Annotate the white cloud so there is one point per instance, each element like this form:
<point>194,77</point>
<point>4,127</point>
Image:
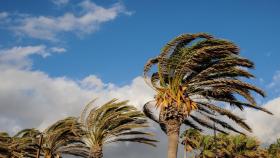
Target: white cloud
<point>60,2</point>
<point>275,80</point>
<point>58,50</point>
<point>18,56</point>
<point>87,21</point>
<point>3,15</point>
<point>265,127</point>
<point>274,85</point>
<point>92,82</point>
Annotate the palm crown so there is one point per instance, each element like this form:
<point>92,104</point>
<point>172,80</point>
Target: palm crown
<point>63,137</point>
<point>196,72</point>
<point>113,122</point>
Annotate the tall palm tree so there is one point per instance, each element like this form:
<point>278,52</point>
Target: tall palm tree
<point>274,149</point>
<point>113,122</point>
<point>63,137</point>
<point>197,72</point>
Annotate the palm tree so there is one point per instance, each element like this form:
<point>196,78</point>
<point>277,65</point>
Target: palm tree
<point>197,72</point>
<point>230,146</point>
<point>191,139</point>
<point>219,146</point>
<point>113,122</point>
<point>63,137</point>
<point>18,146</point>
<point>246,147</point>
<point>274,149</point>
<point>5,141</point>
<point>207,149</point>
<point>60,138</point>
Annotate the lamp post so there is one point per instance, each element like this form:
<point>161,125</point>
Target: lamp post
<point>40,144</point>
<point>215,136</point>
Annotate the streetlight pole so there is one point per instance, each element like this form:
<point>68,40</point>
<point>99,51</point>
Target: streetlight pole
<point>215,136</point>
<point>40,144</point>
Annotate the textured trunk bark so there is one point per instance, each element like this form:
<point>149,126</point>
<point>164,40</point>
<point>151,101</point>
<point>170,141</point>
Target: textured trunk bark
<point>96,152</point>
<point>173,128</point>
<point>172,118</point>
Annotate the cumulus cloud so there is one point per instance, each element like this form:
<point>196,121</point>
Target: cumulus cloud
<point>265,127</point>
<point>86,21</point>
<point>18,57</point>
<point>275,83</point>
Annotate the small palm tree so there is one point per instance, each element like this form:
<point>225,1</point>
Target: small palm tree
<point>113,122</point>
<point>19,146</point>
<point>247,147</point>
<point>274,149</point>
<point>5,141</point>
<point>206,147</point>
<point>191,139</point>
<point>219,146</point>
<point>230,146</point>
<point>197,72</point>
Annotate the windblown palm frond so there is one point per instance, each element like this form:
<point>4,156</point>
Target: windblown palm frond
<point>113,122</point>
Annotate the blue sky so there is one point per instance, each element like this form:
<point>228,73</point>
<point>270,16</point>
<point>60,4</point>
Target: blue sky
<point>119,49</point>
<point>97,47</point>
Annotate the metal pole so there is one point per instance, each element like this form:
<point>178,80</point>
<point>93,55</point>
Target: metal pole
<point>40,144</point>
<point>215,136</point>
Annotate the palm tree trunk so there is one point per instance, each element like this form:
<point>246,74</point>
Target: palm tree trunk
<point>96,152</point>
<point>173,128</point>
